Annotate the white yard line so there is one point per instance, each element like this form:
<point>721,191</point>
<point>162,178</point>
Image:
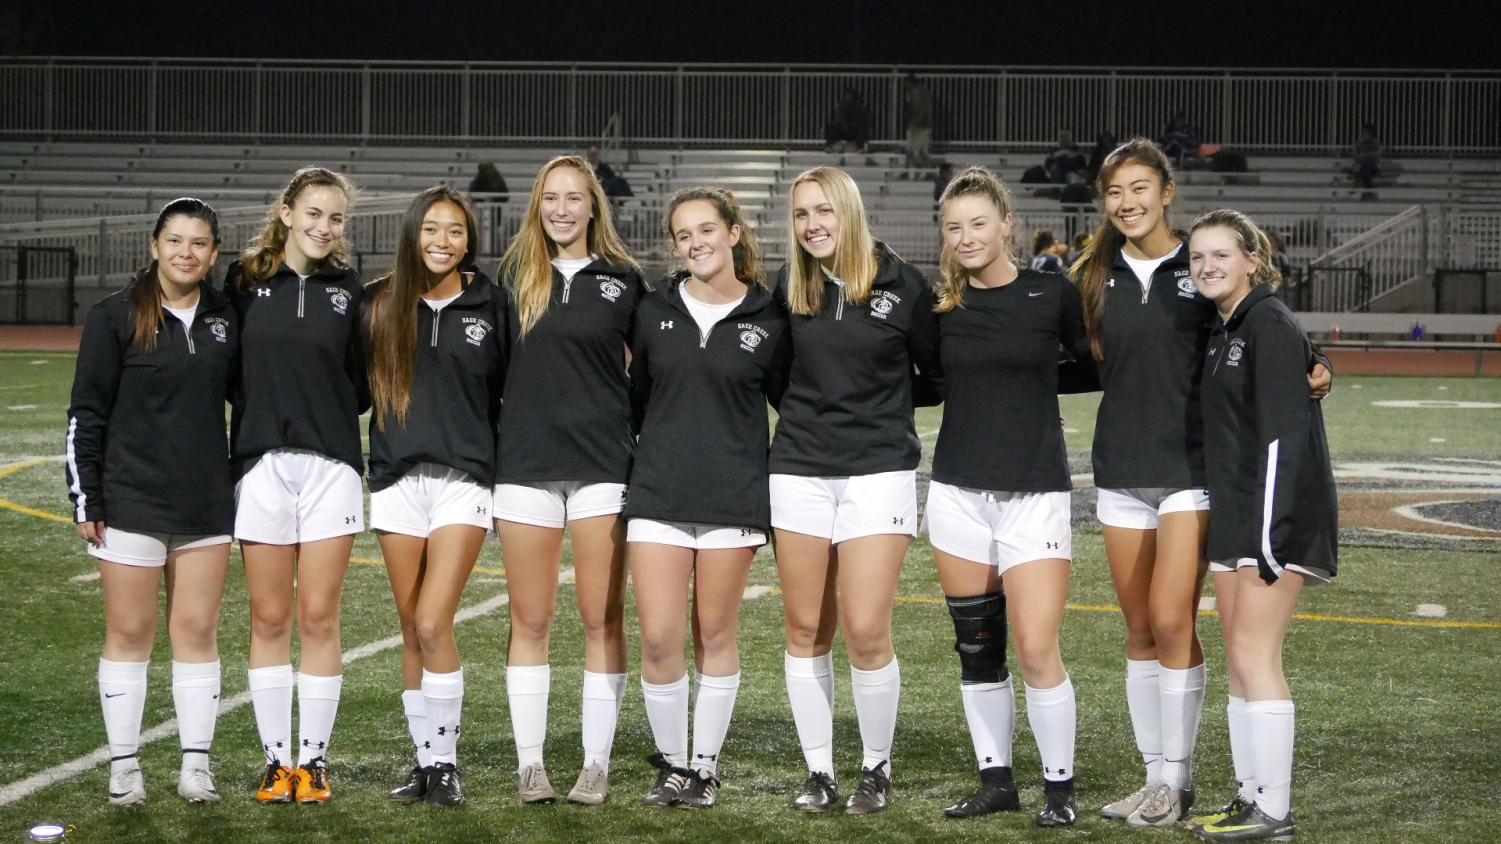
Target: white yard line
<point>1431,611</point>
<point>84,578</point>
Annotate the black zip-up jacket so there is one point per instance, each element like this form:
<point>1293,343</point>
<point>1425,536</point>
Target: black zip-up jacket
<point>146,450</point>
<point>699,403</point>
<point>1001,372</point>
<point>457,379</point>
<point>1270,484</point>
<point>567,411</point>
<point>302,371</point>
<point>848,406</point>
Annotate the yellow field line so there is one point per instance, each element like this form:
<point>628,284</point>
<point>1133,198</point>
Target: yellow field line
<point>905,599</point>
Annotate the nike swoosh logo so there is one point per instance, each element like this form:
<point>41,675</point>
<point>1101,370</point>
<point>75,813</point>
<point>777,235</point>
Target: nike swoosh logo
<point>1030,295</point>
<point>116,694</point>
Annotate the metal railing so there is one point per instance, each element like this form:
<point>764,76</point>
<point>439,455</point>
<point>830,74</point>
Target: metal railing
<point>1420,112</point>
<point>37,285</point>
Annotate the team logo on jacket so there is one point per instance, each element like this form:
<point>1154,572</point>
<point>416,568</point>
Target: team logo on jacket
<point>882,303</point>
<point>1185,284</point>
<point>1237,351</point>
<point>609,287</point>
<point>751,336</point>
<point>339,299</point>
<point>219,327</point>
<point>475,330</point>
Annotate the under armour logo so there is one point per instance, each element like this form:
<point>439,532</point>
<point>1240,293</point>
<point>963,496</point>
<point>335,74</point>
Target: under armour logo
<point>710,756</point>
<point>666,324</point>
<point>481,509</point>
<point>745,531</point>
<point>1052,546</point>
<point>898,520</point>
<point>1110,283</point>
<point>427,745</point>
<point>263,291</point>
<point>988,760</point>
<point>309,743</point>
<point>349,520</point>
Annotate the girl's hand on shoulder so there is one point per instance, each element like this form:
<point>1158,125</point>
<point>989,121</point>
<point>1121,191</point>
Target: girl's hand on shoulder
<point>1320,380</point>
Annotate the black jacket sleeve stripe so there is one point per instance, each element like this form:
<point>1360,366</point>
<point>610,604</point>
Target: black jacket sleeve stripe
<point>95,384</point>
<point>1280,361</point>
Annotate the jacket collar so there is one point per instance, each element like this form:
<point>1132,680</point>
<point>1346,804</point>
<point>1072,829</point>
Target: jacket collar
<point>1258,293</point>
<point>756,296</point>
<point>1177,260</point>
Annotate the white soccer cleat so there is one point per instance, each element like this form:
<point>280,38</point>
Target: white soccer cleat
<point>128,787</point>
<point>196,785</point>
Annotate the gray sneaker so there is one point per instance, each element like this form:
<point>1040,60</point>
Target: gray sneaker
<point>593,786</point>
<point>1163,805</point>
<point>533,786</point>
<point>1122,808</point>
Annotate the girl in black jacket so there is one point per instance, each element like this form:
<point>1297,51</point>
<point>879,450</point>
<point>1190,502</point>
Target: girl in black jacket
<point>564,459</point>
<point>436,335</point>
<point>843,464</point>
<point>1148,327</point>
<point>295,443</point>
<point>710,350</point>
<point>1276,516</point>
<point>148,473</point>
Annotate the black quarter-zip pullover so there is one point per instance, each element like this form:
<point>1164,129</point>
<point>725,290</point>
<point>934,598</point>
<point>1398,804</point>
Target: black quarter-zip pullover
<point>457,380</point>
<point>302,371</point>
<point>848,406</point>
<point>700,406</point>
<point>1270,483</point>
<point>567,411</point>
<point>146,450</point>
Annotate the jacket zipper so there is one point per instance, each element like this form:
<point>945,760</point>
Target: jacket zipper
<point>839,306</point>
<point>567,285</point>
<point>301,290</point>
<point>187,330</point>
<point>1147,290</point>
<point>437,315</point>
<point>703,339</point>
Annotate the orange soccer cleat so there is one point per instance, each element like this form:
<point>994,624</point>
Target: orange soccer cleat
<point>312,783</point>
<point>276,785</point>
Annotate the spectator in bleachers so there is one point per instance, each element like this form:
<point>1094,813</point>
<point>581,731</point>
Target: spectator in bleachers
<point>615,185</point>
<point>1081,241</point>
<point>489,181</point>
<point>941,181</point>
<point>849,128</point>
<point>1180,140</point>
<point>1366,157</point>
<point>1102,147</point>
<point>1044,252</point>
<point>919,101</point>
<point>1065,164</point>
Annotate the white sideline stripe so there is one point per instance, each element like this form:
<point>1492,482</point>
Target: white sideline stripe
<point>1431,611</point>
<point>1206,603</point>
<point>22,407</point>
<point>754,592</point>
<point>922,435</point>
<point>84,578</point>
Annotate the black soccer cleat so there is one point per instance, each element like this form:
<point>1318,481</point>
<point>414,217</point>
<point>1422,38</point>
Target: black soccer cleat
<point>411,791</point>
<point>997,793</point>
<point>873,794</point>
<point>820,794</point>
<point>1059,808</point>
<point>443,786</point>
<point>670,783</point>
<point>1250,825</point>
<point>700,793</point>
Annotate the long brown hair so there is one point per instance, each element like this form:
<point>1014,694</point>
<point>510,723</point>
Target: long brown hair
<point>259,260</point>
<point>1092,269</point>
<point>1252,240</point>
<point>855,260</point>
<point>746,252</point>
<point>527,265</point>
<point>954,278</point>
<point>393,307</point>
<point>146,294</point>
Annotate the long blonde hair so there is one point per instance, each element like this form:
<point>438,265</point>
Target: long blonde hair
<point>527,265</point>
<point>855,261</point>
<point>260,259</point>
<point>1252,240</point>
<point>746,252</point>
<point>975,181</point>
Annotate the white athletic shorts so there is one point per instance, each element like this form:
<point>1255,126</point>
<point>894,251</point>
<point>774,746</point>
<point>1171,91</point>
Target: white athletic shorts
<point>697,537</point>
<point>428,497</point>
<point>294,495</point>
<point>552,504</point>
<point>149,549</point>
<point>1311,577</point>
<point>1002,529</point>
<point>1139,508</point>
<point>840,509</point>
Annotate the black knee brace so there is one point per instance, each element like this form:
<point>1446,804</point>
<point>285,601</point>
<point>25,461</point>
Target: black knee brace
<point>980,636</point>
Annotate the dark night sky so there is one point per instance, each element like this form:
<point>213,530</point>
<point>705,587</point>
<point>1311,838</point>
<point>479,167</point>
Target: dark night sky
<point>1241,33</point>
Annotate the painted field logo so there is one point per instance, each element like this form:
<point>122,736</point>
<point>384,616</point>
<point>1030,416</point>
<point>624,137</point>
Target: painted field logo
<point>751,336</point>
<point>1237,351</point>
<point>610,288</point>
<point>339,299</point>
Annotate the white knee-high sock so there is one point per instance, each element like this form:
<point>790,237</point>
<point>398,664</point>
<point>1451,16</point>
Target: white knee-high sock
<point>1241,741</point>
<point>271,697</point>
<point>122,698</point>
<point>1144,700</point>
<point>877,694</point>
<point>667,712</point>
<point>990,709</point>
<point>195,696</point>
<point>603,695</point>
<point>1271,725</point>
<point>317,707</point>
<point>711,719</point>
<point>810,690</point>
<point>527,687</point>
<point>1052,715</point>
<point>444,696</point>
<point>1182,705</point>
<point>415,707</point>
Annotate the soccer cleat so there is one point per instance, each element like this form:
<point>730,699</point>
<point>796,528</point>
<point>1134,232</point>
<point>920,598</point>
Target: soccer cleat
<point>1122,808</point>
<point>1059,808</point>
<point>312,782</point>
<point>820,793</point>
<point>1250,825</point>
<point>1163,806</point>
<point>1229,810</point>
<point>443,787</point>
<point>277,785</point>
<point>196,785</point>
<point>670,782</point>
<point>532,785</point>
<point>411,791</point>
<point>873,794</point>
<point>700,792</point>
<point>128,787</point>
<point>997,793</point>
<point>593,786</point>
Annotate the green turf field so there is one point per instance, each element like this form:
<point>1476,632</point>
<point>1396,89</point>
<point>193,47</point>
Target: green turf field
<point>1399,716</point>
